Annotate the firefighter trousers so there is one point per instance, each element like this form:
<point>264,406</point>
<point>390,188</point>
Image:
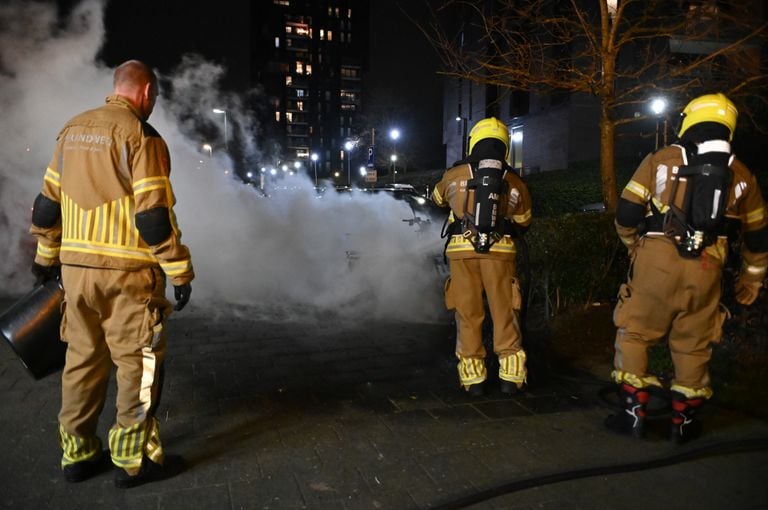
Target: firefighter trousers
<point>464,293</point>
<point>673,297</point>
<point>112,317</point>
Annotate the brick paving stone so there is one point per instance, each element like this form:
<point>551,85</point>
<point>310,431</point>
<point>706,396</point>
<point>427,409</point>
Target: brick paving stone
<point>263,427</point>
<point>546,404</point>
<point>209,496</point>
<point>502,409</point>
<point>447,436</point>
<point>330,484</point>
<point>463,414</point>
<point>267,493</point>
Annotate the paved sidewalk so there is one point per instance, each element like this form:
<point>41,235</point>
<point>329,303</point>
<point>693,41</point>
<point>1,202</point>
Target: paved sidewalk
<point>271,413</point>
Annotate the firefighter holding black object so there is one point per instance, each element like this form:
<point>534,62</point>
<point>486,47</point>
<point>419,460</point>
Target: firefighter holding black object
<point>490,206</point>
<point>673,216</point>
<point>105,215</point>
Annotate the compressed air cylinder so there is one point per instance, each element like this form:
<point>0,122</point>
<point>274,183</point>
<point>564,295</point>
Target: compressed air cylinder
<point>31,328</point>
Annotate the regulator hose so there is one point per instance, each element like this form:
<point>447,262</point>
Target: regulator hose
<point>710,450</point>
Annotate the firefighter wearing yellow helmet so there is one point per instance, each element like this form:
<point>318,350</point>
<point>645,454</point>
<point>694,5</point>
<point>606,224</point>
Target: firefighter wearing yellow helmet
<point>672,217</point>
<point>490,206</point>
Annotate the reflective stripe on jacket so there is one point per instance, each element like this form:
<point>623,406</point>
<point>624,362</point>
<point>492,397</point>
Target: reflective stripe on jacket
<point>515,206</point>
<point>109,165</point>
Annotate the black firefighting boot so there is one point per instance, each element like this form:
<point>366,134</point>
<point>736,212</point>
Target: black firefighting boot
<point>475,390</point>
<point>685,426</point>
<point>631,419</point>
<point>150,472</point>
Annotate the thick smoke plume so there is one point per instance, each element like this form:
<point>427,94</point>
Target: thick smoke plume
<point>342,255</point>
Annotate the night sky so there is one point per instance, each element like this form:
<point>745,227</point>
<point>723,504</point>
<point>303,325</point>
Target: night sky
<point>402,86</point>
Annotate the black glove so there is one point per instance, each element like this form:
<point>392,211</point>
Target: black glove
<point>45,273</point>
<point>181,293</point>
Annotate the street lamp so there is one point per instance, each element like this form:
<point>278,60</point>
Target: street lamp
<point>226,137</point>
<point>394,135</point>
<point>658,107</point>
<point>393,159</point>
<point>349,145</point>
<point>207,148</point>
<point>463,121</point>
<point>314,157</point>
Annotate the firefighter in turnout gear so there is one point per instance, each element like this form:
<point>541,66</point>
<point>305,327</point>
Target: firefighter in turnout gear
<point>673,216</point>
<point>105,217</point>
<point>490,206</point>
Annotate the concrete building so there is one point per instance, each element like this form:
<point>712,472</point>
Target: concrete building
<point>309,56</point>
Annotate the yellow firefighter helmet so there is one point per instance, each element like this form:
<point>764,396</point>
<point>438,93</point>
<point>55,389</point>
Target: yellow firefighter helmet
<point>710,108</point>
<point>490,128</point>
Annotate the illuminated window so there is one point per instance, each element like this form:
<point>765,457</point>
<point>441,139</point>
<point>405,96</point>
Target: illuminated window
<point>277,116</point>
<point>277,42</point>
<point>300,105</point>
<point>330,35</point>
<point>337,12</point>
<point>288,80</point>
<point>349,13</point>
<point>322,34</point>
<point>300,92</point>
<point>288,116</point>
<point>286,3</point>
<point>308,69</point>
<point>300,67</point>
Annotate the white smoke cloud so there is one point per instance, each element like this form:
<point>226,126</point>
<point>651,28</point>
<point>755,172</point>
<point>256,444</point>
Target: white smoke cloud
<point>286,253</point>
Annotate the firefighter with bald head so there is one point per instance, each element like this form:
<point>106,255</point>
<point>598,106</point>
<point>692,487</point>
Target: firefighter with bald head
<point>673,216</point>
<point>489,207</point>
<point>105,217</point>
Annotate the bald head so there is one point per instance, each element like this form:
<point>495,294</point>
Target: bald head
<point>137,83</point>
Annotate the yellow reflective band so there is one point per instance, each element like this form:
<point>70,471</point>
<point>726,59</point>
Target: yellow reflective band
<point>639,190</point>
<point>126,445</point>
<point>471,370</point>
<point>77,449</point>
<point>109,250</point>
<point>459,243</point>
<point>661,207</point>
<point>48,252</point>
<point>149,184</point>
<point>52,176</point>
<point>522,218</point>
<point>756,215</point>
<point>635,381</point>
<point>754,270</point>
<point>437,197</point>
<point>512,367</point>
<point>705,392</point>
<point>176,268</point>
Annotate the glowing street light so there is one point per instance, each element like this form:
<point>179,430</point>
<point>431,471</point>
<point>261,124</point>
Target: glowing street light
<point>658,107</point>
<point>207,148</point>
<point>349,145</point>
<point>314,157</point>
<point>394,135</point>
<point>226,137</point>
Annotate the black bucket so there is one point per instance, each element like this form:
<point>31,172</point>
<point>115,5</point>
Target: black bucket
<point>31,328</point>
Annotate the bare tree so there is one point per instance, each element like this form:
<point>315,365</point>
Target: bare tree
<point>620,51</point>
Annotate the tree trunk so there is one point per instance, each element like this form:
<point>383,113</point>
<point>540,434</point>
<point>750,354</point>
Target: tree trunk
<point>607,168</point>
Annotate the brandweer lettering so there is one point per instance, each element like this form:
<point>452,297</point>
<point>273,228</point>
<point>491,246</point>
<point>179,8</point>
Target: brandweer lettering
<point>94,139</point>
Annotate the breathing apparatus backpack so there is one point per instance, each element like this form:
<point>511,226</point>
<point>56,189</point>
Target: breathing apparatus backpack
<point>481,223</point>
<point>696,224</point>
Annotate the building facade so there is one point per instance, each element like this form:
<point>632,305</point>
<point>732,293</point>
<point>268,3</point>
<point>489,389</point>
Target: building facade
<point>309,57</point>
